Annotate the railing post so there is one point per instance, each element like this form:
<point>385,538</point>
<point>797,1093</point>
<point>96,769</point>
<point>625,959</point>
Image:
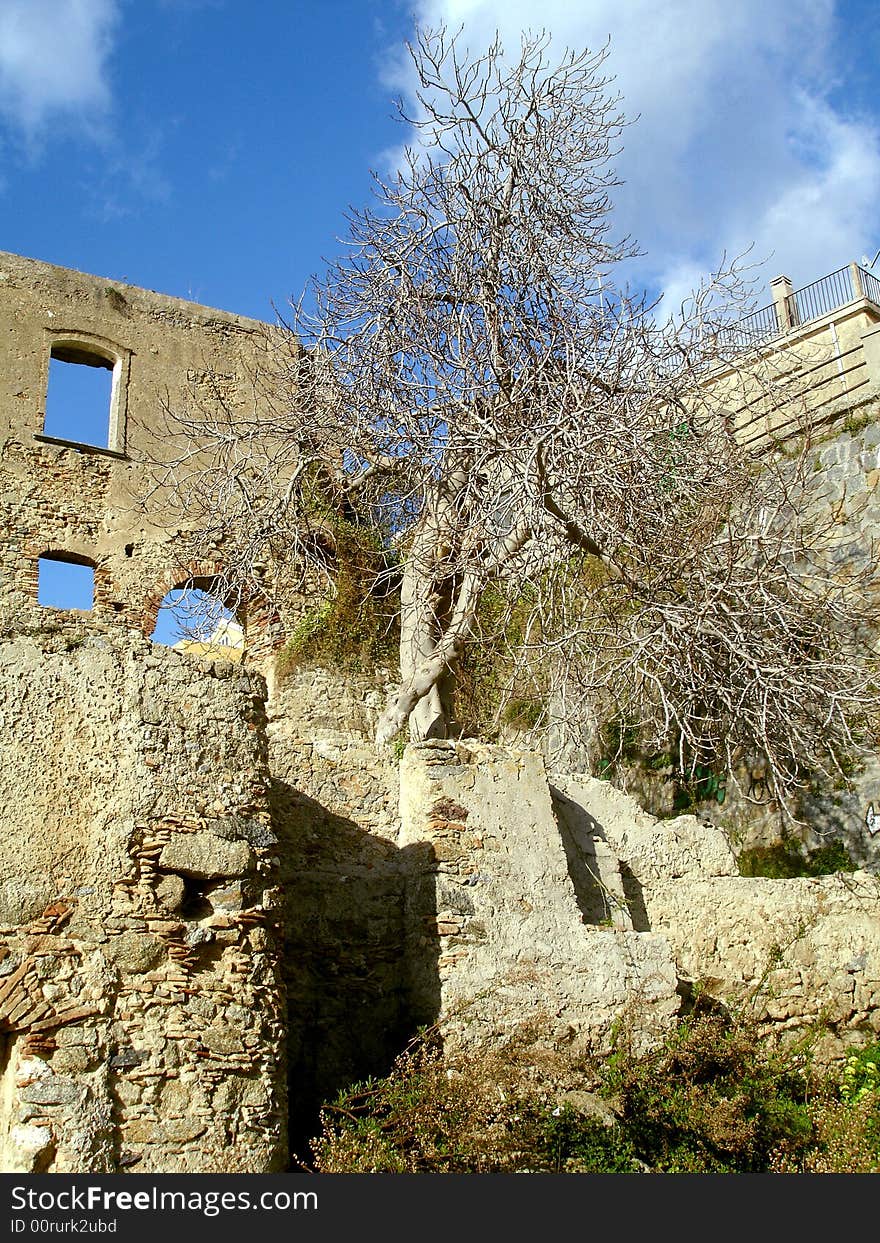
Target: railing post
<point>782,289</point>
<point>855,277</point>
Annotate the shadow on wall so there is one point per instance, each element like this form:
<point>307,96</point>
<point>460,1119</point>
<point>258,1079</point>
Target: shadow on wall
<point>606,890</point>
<point>360,953</point>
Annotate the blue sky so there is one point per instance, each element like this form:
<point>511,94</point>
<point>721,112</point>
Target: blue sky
<point>202,148</point>
<point>209,148</point>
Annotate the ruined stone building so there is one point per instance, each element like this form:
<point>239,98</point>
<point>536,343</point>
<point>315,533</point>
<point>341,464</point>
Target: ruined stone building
<point>215,907</point>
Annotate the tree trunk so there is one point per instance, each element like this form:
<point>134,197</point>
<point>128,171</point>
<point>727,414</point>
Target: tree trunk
<point>418,649</point>
<point>418,700</point>
<point>436,619</point>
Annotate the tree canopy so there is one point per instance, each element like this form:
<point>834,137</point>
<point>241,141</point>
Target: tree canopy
<point>473,392</point>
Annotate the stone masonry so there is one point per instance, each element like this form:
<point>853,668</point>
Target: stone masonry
<point>335,812</point>
<point>796,953</point>
<point>557,898</point>
<point>96,503</point>
<point>219,905</point>
<point>496,937</point>
<point>141,1001</point>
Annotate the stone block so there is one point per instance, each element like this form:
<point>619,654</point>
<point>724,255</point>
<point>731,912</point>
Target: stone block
<point>135,951</point>
<point>206,857</point>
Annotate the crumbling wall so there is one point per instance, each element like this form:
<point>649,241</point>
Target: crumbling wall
<point>142,977</point>
<point>797,952</point>
<point>497,941</point>
<point>101,502</point>
<point>140,990</point>
<point>559,903</point>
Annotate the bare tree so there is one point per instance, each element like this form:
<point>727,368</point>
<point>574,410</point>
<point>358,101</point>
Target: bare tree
<point>471,383</point>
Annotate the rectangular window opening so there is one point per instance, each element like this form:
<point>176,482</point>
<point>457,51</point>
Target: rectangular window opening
<point>79,397</point>
<point>65,584</point>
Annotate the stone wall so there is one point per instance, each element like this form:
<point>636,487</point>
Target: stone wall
<point>846,462</point>
<point>98,502</point>
<point>140,993</point>
<point>798,953</point>
<point>335,811</point>
<point>203,885</point>
<point>558,904</point>
<point>498,941</point>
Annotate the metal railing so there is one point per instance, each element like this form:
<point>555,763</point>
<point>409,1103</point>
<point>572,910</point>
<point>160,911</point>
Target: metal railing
<point>870,286</point>
<point>827,294</point>
<point>823,296</point>
<point>752,329</point>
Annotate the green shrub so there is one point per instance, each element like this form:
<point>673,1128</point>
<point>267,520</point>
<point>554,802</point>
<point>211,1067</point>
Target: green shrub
<point>831,858</point>
<point>490,684</point>
<point>786,858</point>
<point>425,1117</point>
<point>847,1118</point>
<point>487,1112</point>
<point>714,1097</point>
<point>522,713</point>
<point>567,1142</point>
<point>861,1075</point>
<point>358,627</point>
<point>701,786</point>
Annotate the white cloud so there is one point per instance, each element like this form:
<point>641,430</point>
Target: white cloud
<point>736,140</point>
<point>53,62</point>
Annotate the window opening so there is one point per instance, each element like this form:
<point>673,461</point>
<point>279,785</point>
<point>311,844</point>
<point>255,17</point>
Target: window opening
<point>79,396</point>
<point>194,620</point>
<point>63,584</point>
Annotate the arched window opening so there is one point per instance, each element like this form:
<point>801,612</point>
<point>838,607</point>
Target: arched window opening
<point>193,619</point>
<point>80,396</point>
<point>65,581</point>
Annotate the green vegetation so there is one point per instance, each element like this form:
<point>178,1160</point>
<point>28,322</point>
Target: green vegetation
<point>622,746</point>
<point>521,713</point>
<point>506,672</point>
<point>481,1114</point>
<point>861,1075</point>
<point>358,627</point>
<point>491,682</point>
<point>787,858</point>
<point>855,423</point>
<point>705,784</point>
<point>715,1097</point>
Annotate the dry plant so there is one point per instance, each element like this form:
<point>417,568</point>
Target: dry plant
<point>471,388</point>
